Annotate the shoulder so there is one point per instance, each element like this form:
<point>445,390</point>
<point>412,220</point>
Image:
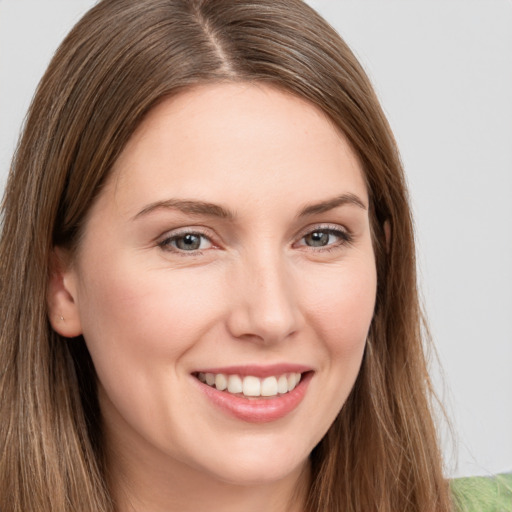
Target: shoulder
<point>483,494</point>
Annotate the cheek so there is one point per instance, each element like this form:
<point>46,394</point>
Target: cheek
<point>341,307</point>
<point>340,310</point>
<point>132,317</point>
<point>139,325</point>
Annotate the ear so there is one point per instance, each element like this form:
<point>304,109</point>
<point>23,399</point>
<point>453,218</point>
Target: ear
<point>387,233</point>
<point>62,295</point>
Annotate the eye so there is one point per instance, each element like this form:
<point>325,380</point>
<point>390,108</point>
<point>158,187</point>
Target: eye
<point>325,237</point>
<point>186,242</point>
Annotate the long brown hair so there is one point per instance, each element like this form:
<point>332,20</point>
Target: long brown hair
<point>118,62</point>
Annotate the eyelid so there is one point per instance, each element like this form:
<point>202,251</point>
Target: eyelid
<point>323,226</point>
<point>163,240</point>
<point>344,233</point>
<point>336,229</point>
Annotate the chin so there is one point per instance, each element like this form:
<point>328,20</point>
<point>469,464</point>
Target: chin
<point>260,465</point>
<point>246,474</point>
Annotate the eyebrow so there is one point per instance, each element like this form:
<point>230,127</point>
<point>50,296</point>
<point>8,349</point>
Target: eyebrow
<point>330,204</point>
<point>188,206</point>
<point>214,210</point>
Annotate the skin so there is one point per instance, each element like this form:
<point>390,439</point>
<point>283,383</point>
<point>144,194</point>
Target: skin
<point>256,291</point>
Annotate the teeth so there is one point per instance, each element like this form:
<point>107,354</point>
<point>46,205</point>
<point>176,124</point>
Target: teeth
<point>221,383</point>
<point>235,384</point>
<point>269,386</point>
<point>292,382</point>
<point>282,384</point>
<point>251,386</point>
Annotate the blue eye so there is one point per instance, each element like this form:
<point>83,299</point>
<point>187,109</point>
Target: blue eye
<point>187,242</point>
<point>318,239</point>
<point>325,237</point>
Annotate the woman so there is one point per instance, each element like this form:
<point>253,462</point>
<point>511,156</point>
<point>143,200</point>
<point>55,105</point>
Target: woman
<point>208,276</point>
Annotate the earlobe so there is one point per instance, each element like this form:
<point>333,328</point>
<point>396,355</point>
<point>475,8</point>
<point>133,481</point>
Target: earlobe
<point>62,297</point>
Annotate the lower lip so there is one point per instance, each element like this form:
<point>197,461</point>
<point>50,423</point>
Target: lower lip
<point>258,410</point>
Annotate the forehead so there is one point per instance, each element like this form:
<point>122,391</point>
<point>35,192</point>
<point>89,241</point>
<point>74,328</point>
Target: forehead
<point>216,139</point>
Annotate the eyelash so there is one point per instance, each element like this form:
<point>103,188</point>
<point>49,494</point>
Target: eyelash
<point>345,238</point>
<point>165,244</point>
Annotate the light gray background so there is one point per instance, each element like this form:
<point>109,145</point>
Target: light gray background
<point>443,71</point>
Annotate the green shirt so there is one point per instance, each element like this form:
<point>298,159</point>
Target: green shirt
<point>483,494</point>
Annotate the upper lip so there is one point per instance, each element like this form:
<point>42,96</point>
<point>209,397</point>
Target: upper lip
<point>255,370</point>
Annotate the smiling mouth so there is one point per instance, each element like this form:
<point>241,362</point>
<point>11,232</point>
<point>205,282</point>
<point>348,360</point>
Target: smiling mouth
<point>250,386</point>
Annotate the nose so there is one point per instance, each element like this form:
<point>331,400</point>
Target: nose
<point>264,307</point>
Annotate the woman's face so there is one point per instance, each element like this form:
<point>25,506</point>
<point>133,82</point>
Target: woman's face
<point>230,246</point>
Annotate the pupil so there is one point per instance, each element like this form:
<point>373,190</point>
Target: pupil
<point>318,238</point>
<point>189,242</point>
